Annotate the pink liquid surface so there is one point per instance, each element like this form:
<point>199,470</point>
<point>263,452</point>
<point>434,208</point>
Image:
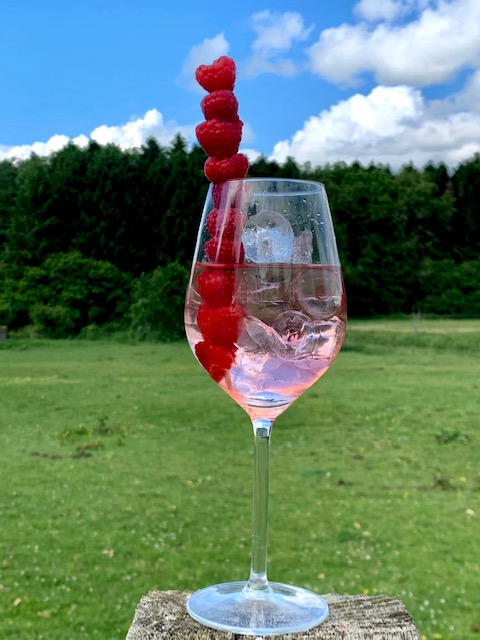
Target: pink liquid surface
<point>294,326</point>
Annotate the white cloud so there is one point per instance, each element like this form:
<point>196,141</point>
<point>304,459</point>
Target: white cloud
<point>430,49</point>
<point>252,154</point>
<point>469,97</point>
<point>130,135</point>
<point>391,125</point>
<point>55,143</point>
<point>276,34</point>
<point>373,10</point>
<point>135,133</point>
<point>278,31</point>
<point>388,10</point>
<point>204,53</point>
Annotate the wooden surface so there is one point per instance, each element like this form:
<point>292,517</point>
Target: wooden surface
<point>161,615</point>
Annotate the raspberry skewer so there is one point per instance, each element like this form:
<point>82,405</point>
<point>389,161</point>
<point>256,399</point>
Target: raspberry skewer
<point>221,132</point>
<point>219,319</point>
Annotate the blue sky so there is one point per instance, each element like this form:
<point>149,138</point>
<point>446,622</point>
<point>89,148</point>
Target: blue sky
<point>388,81</point>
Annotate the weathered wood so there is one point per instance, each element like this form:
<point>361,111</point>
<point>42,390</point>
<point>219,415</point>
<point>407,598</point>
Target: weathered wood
<point>161,615</point>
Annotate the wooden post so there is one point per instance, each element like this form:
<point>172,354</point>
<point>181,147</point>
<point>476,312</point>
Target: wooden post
<point>161,615</point>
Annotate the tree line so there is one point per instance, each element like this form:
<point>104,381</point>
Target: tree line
<point>97,236</point>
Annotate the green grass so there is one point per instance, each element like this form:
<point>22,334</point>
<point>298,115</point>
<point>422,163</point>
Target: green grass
<point>124,468</point>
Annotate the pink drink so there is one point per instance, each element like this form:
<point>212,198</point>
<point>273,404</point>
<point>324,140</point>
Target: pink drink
<point>293,325</point>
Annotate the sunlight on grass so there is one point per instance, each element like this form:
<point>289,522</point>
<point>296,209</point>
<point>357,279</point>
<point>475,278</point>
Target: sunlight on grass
<point>418,324</point>
<point>124,468</point>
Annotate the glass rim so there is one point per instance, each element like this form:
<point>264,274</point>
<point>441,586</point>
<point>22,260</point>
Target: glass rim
<point>318,186</point>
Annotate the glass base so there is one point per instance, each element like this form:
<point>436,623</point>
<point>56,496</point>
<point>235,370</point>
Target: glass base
<point>282,609</point>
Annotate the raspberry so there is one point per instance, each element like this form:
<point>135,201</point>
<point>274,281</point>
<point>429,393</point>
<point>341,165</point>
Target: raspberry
<point>215,360</point>
<point>216,287</point>
<point>219,138</point>
<point>220,326</point>
<point>217,193</point>
<point>220,104</point>
<point>225,222</point>
<point>224,250</point>
<point>218,75</point>
<point>226,169</point>
<point>235,195</point>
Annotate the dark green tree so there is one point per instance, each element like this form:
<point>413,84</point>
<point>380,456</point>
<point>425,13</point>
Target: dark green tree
<point>428,209</point>
<point>185,196</point>
<point>263,168</point>
<point>158,303</point>
<point>26,243</point>
<point>8,192</point>
<point>449,288</point>
<point>465,235</point>
<point>64,294</point>
<point>398,234</point>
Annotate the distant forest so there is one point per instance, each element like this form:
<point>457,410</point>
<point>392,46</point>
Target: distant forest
<point>100,237</point>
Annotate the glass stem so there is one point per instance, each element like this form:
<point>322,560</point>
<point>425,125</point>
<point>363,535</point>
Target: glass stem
<point>257,584</point>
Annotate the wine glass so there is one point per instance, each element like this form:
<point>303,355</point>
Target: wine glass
<point>265,315</point>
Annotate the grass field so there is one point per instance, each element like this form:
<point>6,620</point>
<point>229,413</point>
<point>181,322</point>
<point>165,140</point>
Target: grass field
<point>124,468</point>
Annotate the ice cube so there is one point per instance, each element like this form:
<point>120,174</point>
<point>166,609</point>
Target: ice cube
<point>268,237</point>
<point>293,336</point>
<point>298,331</point>
<point>319,294</point>
<point>264,292</point>
<point>259,335</point>
<point>303,248</point>
<point>321,307</point>
<point>291,326</point>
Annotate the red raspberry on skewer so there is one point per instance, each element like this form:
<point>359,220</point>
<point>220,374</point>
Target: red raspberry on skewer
<point>217,194</point>
<point>220,325</point>
<point>225,222</point>
<point>224,250</point>
<point>235,196</point>
<point>216,287</point>
<point>219,138</point>
<point>218,75</point>
<point>220,135</point>
<point>227,168</point>
<point>220,104</point>
<point>215,360</point>
<point>219,320</point>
